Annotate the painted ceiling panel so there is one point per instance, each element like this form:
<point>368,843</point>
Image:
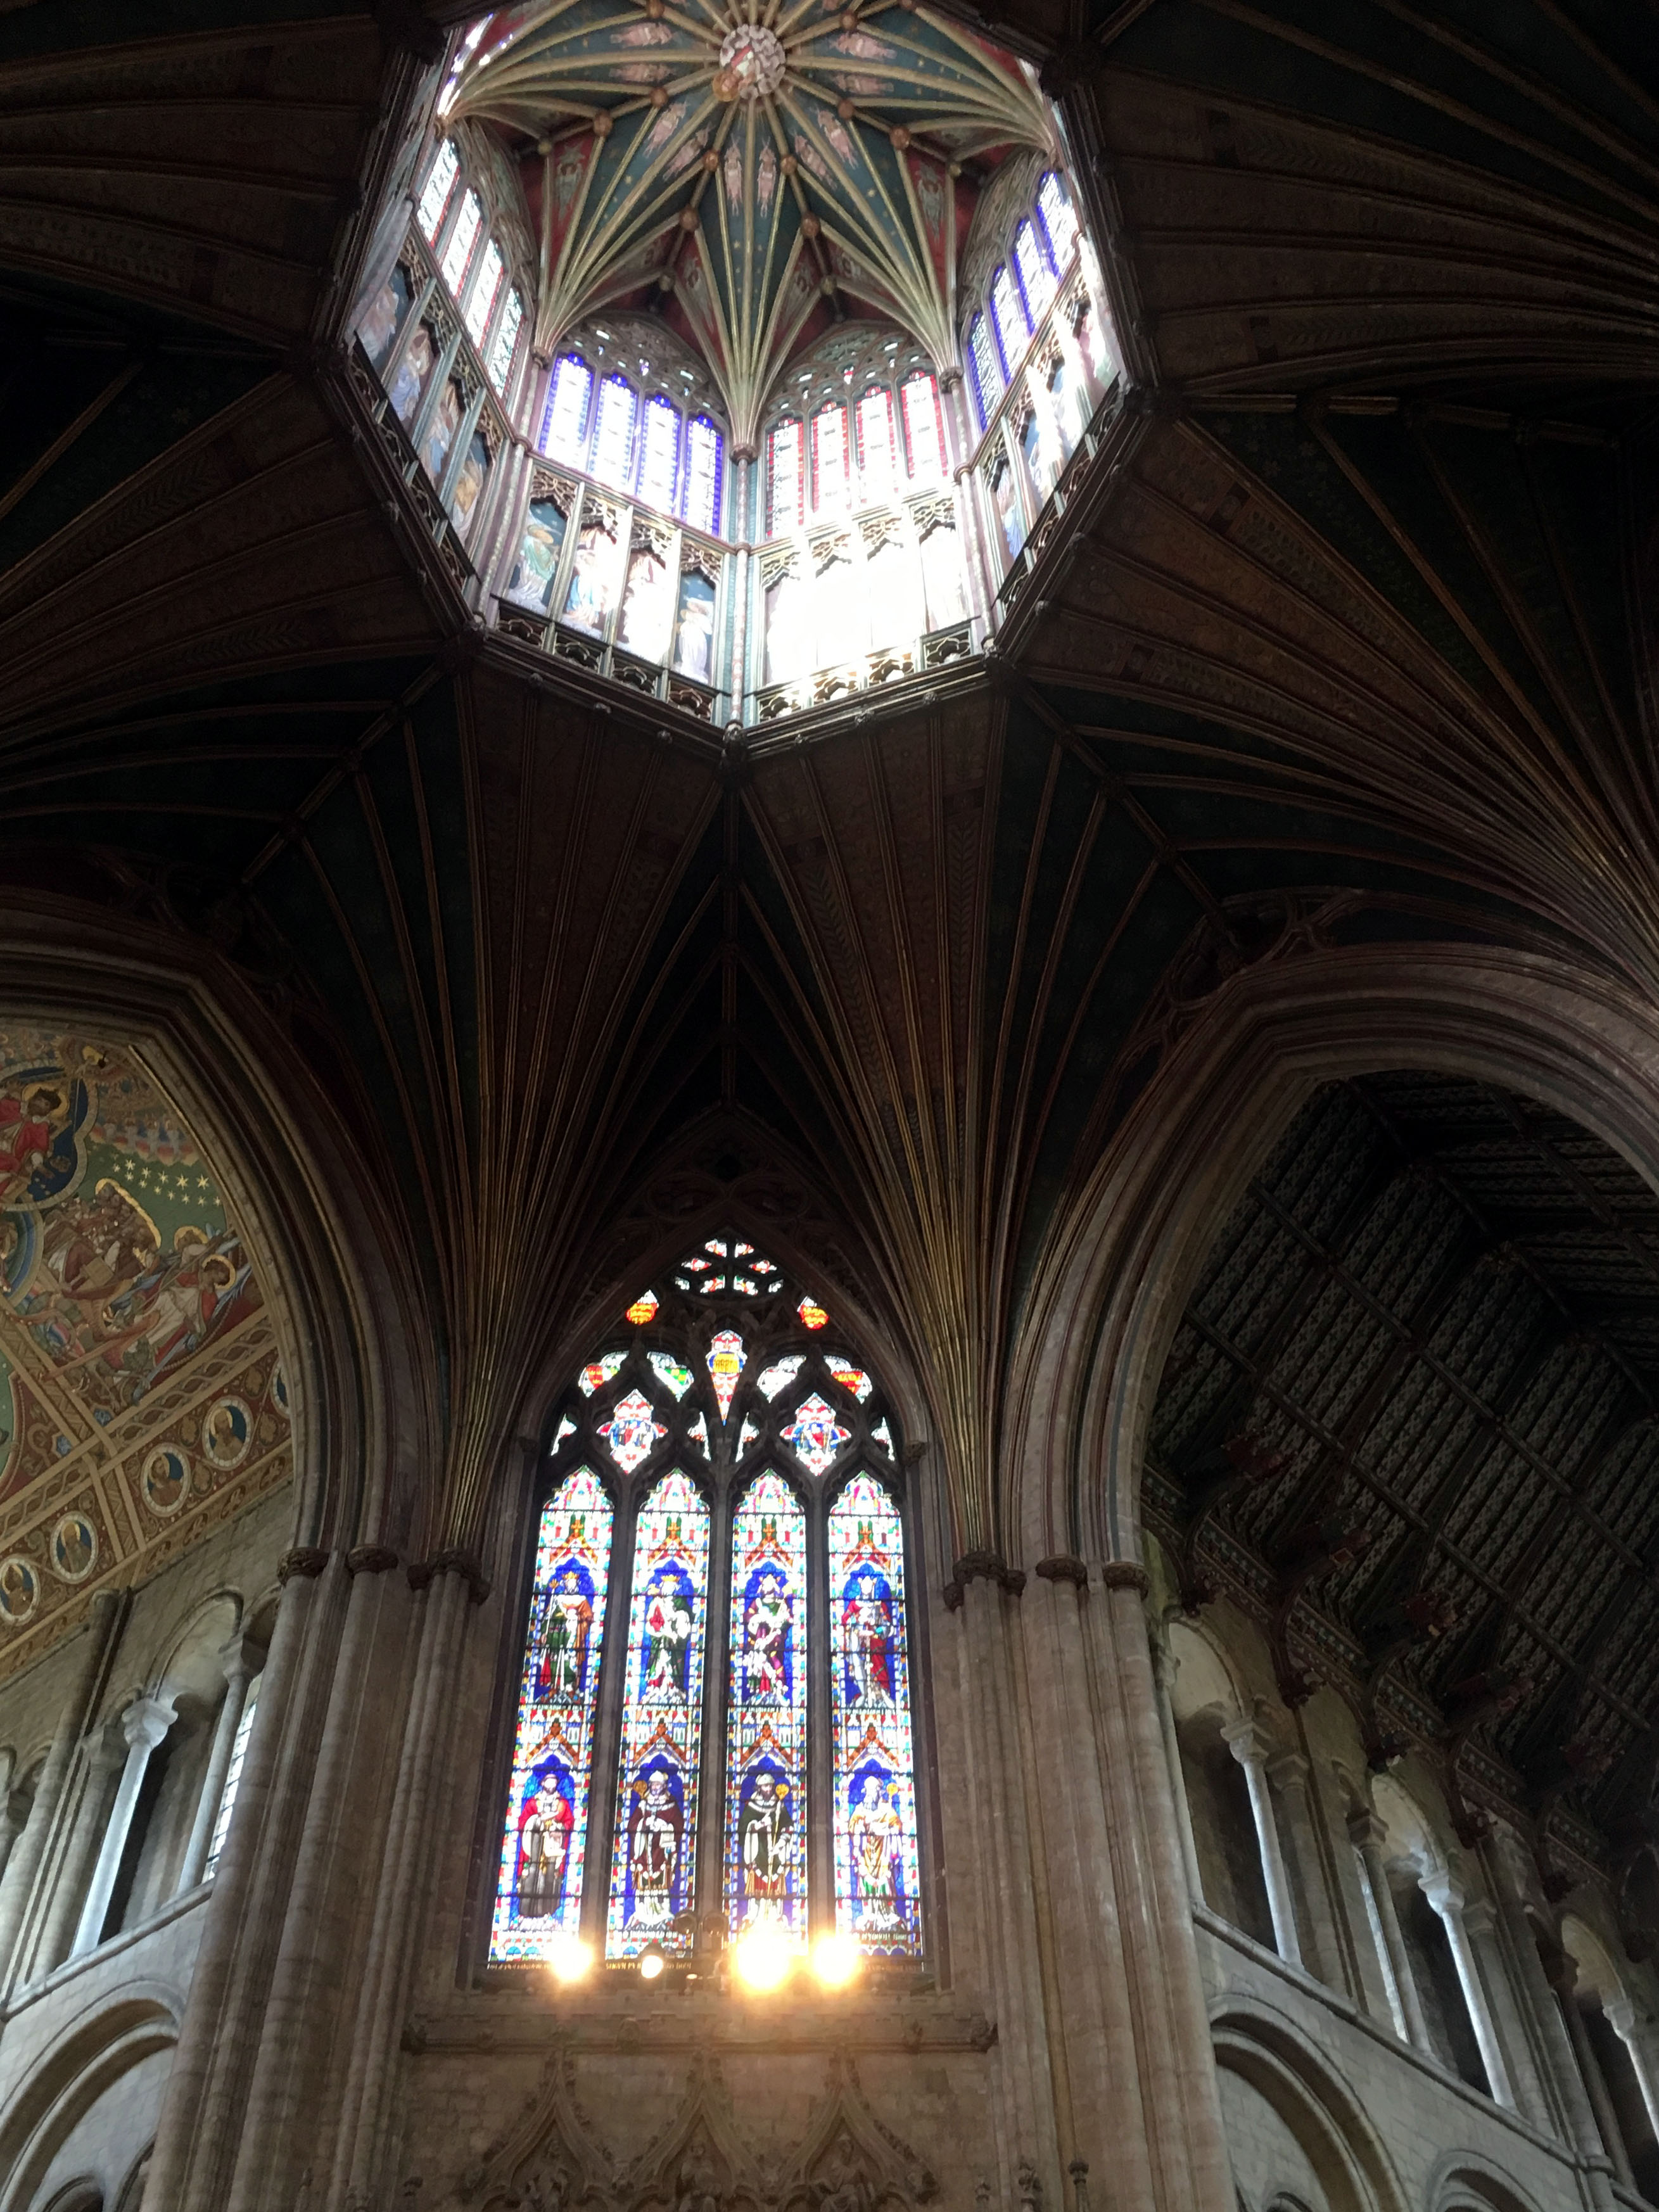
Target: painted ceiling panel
<point>750,171</point>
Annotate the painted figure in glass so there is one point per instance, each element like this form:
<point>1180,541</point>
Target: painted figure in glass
<point>653,1852</point>
<point>545,1850</point>
<point>569,1631</point>
<point>594,579</point>
<point>867,1640</point>
<point>668,1616</point>
<point>648,605</point>
<point>469,481</point>
<point>380,325</point>
<point>766,1642</point>
<point>420,357</point>
<point>534,571</point>
<point>766,1832</point>
<point>441,426</point>
<point>876,1830</point>
<point>694,637</point>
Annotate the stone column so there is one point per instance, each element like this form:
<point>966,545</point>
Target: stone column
<point>237,1660</point>
<point>1174,2057</point>
<point>1565,1979</point>
<point>1165,1667</point>
<point>10,1822</point>
<point>1288,1773</point>
<point>1447,1899</point>
<point>1243,1739</point>
<point>1368,1834</point>
<point>17,1888</point>
<point>144,1725</point>
<point>1621,2019</point>
<point>105,1753</point>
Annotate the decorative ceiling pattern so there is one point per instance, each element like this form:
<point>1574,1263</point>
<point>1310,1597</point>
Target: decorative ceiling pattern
<point>140,1398</point>
<point>1414,1400</point>
<point>758,173</point>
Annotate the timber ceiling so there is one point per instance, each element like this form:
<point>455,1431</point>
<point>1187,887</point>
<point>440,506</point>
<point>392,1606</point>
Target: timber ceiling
<point>1355,651</point>
<point>1412,1412</point>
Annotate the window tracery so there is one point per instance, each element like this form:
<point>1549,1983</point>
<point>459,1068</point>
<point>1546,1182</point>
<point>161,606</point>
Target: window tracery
<point>723,1488</point>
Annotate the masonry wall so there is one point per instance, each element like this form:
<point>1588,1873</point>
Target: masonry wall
<point>86,2041</point>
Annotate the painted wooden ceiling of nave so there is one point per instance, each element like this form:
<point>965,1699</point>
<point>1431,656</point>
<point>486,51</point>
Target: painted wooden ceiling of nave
<point>1352,671</point>
<point>140,1399</point>
<point>743,183</point>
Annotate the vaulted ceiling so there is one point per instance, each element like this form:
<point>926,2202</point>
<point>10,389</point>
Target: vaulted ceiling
<point>1352,648</point>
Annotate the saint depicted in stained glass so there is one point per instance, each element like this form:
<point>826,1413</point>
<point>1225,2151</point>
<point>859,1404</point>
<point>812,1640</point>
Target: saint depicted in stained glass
<point>539,1895</point>
<point>723,1373</point>
<point>658,1772</point>
<point>877,1866</point>
<point>766,1751</point>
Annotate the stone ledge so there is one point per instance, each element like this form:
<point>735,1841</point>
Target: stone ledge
<point>505,2025</point>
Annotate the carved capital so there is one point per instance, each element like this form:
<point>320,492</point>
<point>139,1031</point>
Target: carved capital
<point>452,1560</point>
<point>306,1561</point>
<point>988,1566</point>
<point>1125,1574</point>
<point>370,1559</point>
<point>1063,1567</point>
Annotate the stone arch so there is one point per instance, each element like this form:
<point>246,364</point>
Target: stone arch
<point>326,1251</point>
<point>1115,1275</point>
<point>1261,2055</point>
<point>1464,2182</point>
<point>94,2058</point>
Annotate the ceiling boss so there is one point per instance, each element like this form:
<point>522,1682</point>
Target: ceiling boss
<point>751,63</point>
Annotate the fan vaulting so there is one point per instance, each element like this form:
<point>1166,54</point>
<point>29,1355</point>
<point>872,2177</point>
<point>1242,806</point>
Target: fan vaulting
<point>760,176</point>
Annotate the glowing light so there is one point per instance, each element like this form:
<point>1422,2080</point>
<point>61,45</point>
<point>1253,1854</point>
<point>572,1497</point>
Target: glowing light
<point>836,1960</point>
<point>651,1962</point>
<point>569,1959</point>
<point>812,1315</point>
<point>643,1309</point>
<point>763,1958</point>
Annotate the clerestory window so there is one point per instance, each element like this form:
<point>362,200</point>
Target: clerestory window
<point>714,1728</point>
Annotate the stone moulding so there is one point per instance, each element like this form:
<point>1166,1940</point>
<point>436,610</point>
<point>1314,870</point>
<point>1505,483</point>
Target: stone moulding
<point>490,2027</point>
<point>702,2159</point>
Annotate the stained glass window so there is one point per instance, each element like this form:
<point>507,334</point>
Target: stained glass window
<point>658,1772</point>
<point>877,1872</point>
<point>233,1781</point>
<point>982,367</point>
<point>613,436</point>
<point>723,1379</point>
<point>829,460</point>
<point>1058,217</point>
<point>877,469</point>
<point>564,421</point>
<point>440,184</point>
<point>924,425</point>
<point>766,1800</point>
<point>538,1899</point>
<point>462,239</point>
<point>486,289</point>
<point>786,478</point>
<point>1037,280</point>
<point>1008,313</point>
<point>705,451</point>
<point>507,341</point>
<point>659,454</point>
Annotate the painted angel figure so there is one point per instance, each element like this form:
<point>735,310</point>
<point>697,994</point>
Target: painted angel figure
<point>667,1643</point>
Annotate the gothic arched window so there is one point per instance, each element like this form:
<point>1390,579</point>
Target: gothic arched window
<point>715,1734</point>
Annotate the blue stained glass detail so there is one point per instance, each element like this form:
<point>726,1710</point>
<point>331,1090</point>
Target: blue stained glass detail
<point>766,1723</point>
<point>877,1868</point>
<point>982,367</point>
<point>545,1843</point>
<point>1008,315</point>
<point>654,1852</point>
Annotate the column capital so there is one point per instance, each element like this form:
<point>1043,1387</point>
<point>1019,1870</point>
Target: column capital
<point>146,1720</point>
<point>1367,1832</point>
<point>1246,1741</point>
<point>1479,1915</point>
<point>1289,1769</point>
<point>239,1656</point>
